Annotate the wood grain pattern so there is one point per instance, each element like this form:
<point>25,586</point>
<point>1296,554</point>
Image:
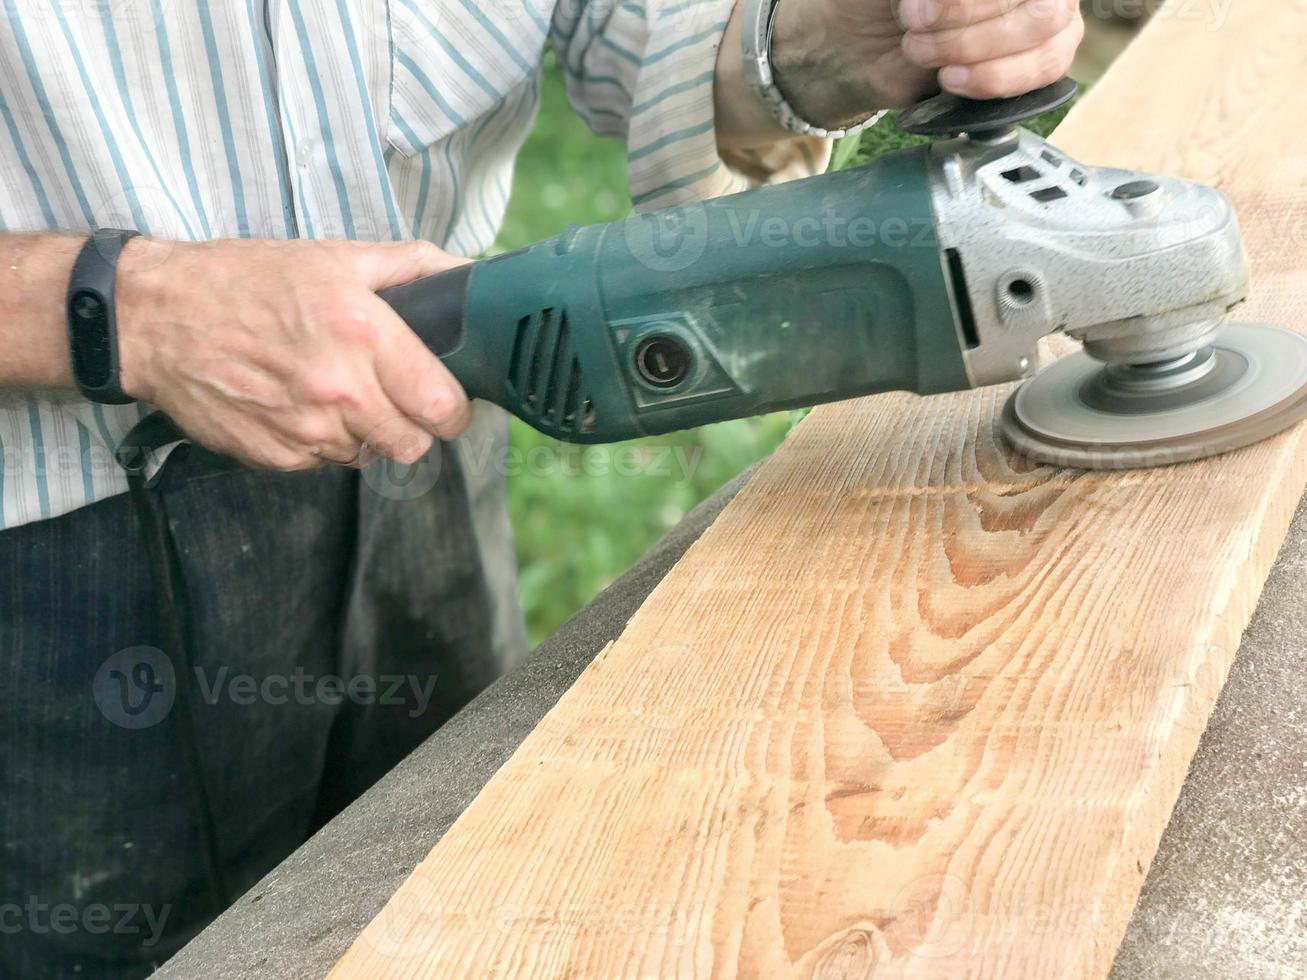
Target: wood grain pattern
<point>911,707</point>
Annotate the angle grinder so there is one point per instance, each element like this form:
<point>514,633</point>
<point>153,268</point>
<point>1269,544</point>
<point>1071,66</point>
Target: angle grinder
<point>933,269</point>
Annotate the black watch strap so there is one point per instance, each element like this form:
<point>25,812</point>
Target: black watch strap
<point>92,326</point>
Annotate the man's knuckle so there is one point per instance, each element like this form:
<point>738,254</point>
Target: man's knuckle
<point>328,388</point>
<point>1053,64</point>
<point>1060,17</point>
<point>281,458</point>
<point>946,51</point>
<point>349,321</point>
<point>358,253</point>
<point>1044,13</point>
<point>308,429</point>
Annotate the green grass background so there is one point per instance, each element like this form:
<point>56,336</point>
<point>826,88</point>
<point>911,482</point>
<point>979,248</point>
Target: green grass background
<point>583,516</point>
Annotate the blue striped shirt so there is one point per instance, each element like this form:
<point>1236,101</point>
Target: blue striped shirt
<point>367,119</point>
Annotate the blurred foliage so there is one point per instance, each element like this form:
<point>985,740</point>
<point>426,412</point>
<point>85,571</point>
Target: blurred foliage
<point>565,174</point>
<point>584,515</point>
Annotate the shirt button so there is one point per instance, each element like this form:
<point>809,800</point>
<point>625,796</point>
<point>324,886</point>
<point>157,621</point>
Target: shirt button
<point>304,152</point>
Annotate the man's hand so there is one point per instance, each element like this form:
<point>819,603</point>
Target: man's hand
<point>839,60</point>
<point>990,49</point>
<point>280,354</point>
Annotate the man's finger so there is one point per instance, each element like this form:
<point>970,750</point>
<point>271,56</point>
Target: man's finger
<point>379,427</point>
<point>938,15</point>
<point>1021,30</point>
<point>394,263</point>
<point>419,384</point>
<point>343,452</point>
<point>395,438</point>
<point>1017,73</point>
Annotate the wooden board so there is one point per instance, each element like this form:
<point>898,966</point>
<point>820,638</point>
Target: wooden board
<point>911,706</point>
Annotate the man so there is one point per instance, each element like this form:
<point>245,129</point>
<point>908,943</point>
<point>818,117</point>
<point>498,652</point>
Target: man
<point>201,671</point>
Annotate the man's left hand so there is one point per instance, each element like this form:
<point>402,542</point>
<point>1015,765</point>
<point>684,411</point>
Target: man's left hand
<point>838,60</point>
<point>989,49</point>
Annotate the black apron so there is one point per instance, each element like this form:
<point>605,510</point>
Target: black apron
<point>199,673</point>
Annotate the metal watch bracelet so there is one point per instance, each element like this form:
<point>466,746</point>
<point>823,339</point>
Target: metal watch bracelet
<point>759,17</point>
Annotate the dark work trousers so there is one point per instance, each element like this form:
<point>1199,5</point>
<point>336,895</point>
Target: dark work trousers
<point>331,622</point>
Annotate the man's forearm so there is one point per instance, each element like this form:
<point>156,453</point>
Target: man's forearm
<point>743,120</point>
<point>838,61</point>
<point>34,272</point>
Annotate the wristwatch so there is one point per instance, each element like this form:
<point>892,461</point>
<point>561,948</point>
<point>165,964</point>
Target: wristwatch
<point>92,326</point>
<point>759,18</point>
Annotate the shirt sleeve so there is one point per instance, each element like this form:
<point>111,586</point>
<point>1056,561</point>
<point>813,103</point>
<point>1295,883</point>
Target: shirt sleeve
<point>642,71</point>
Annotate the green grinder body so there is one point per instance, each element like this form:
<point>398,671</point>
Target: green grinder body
<point>781,297</point>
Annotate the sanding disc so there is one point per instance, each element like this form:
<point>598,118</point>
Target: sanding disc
<point>1248,385</point>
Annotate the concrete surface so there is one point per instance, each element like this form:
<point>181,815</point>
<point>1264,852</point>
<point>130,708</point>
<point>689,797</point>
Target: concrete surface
<point>1226,895</point>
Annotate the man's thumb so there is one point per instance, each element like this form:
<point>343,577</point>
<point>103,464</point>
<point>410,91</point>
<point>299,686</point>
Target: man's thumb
<point>393,263</point>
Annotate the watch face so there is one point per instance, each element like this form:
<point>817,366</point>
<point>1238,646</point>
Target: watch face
<point>88,316</point>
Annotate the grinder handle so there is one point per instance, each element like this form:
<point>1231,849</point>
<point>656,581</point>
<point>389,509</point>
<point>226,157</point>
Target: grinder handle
<point>433,307</point>
<point>436,309</point>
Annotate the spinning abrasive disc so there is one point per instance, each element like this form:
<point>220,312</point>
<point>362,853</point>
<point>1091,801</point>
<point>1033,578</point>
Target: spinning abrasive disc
<point>1249,384</point>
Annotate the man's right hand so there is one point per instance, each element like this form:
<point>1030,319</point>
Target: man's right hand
<point>280,354</point>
